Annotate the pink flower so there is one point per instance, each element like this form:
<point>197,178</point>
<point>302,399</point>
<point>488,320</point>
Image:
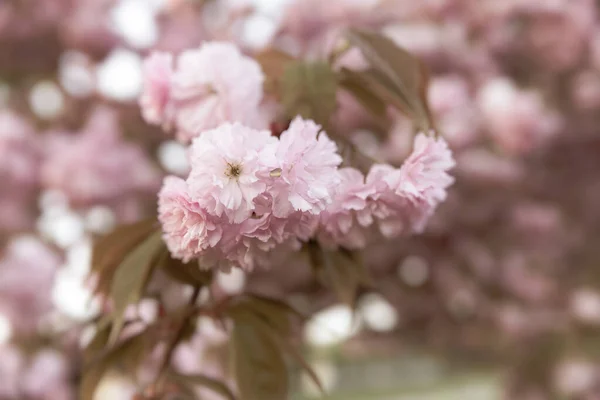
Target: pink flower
<point>96,165</point>
<point>304,169</point>
<point>405,198</point>
<point>215,84</point>
<point>343,222</point>
<point>228,168</point>
<point>11,370</point>
<point>517,120</point>
<point>394,211</point>
<point>48,377</point>
<point>19,172</point>
<point>188,229</point>
<point>155,100</point>
<point>424,174</point>
<point>27,274</point>
<point>19,156</point>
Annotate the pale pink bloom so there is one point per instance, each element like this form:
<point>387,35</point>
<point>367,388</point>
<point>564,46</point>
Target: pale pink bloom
<point>425,173</point>
<point>517,119</point>
<point>343,222</point>
<point>188,229</point>
<point>228,169</point>
<point>405,198</point>
<point>215,84</point>
<point>585,90</point>
<point>11,369</point>
<point>19,172</point>
<point>304,169</point>
<point>27,273</point>
<point>19,153</point>
<point>155,100</point>
<point>97,165</point>
<point>48,377</point>
<point>394,210</point>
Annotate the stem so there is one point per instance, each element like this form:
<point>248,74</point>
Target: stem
<point>172,345</point>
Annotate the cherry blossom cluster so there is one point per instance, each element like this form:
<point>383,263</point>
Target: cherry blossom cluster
<point>206,87</point>
<point>249,192</point>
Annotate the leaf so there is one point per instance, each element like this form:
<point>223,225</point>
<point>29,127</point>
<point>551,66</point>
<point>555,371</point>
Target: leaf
<point>396,72</point>
<point>189,273</point>
<point>309,90</point>
<point>275,313</point>
<point>341,270</point>
<point>97,343</point>
<point>203,380</point>
<point>273,63</point>
<point>131,349</point>
<point>355,84</point>
<point>285,346</point>
<point>131,277</point>
<point>109,251</point>
<point>259,366</point>
<point>297,356</point>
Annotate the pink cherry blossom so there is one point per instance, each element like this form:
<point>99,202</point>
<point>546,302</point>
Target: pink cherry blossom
<point>48,377</point>
<point>97,166</point>
<point>214,84</point>
<point>11,366</point>
<point>305,162</point>
<point>27,273</point>
<point>188,229</point>
<point>405,198</point>
<point>19,172</point>
<point>517,119</point>
<point>344,221</point>
<point>228,168</point>
<point>425,173</point>
<point>155,100</point>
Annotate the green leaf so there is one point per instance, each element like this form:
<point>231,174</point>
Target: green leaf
<point>275,313</point>
<point>273,63</point>
<point>131,278</point>
<point>355,84</point>
<point>259,366</point>
<point>341,270</point>
<point>292,351</point>
<point>189,273</point>
<point>97,344</point>
<point>109,251</point>
<point>395,73</point>
<point>309,90</point>
<point>202,380</point>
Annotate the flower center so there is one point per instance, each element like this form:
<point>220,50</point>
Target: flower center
<point>234,170</point>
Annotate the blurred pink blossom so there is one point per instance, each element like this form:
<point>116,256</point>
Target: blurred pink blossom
<point>96,166</point>
<point>214,84</point>
<point>27,271</point>
<point>155,101</point>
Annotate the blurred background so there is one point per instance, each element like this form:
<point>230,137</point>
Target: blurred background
<point>498,299</point>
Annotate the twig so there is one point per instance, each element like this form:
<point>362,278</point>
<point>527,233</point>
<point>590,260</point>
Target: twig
<point>174,342</point>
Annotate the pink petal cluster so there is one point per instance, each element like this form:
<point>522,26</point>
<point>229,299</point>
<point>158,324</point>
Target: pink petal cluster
<point>44,375</point>
<point>155,101</point>
<point>248,192</point>
<point>27,273</point>
<point>343,223</point>
<point>207,87</point>
<point>399,200</point>
<point>516,119</point>
<point>19,172</point>
<point>306,160</point>
<point>96,165</point>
